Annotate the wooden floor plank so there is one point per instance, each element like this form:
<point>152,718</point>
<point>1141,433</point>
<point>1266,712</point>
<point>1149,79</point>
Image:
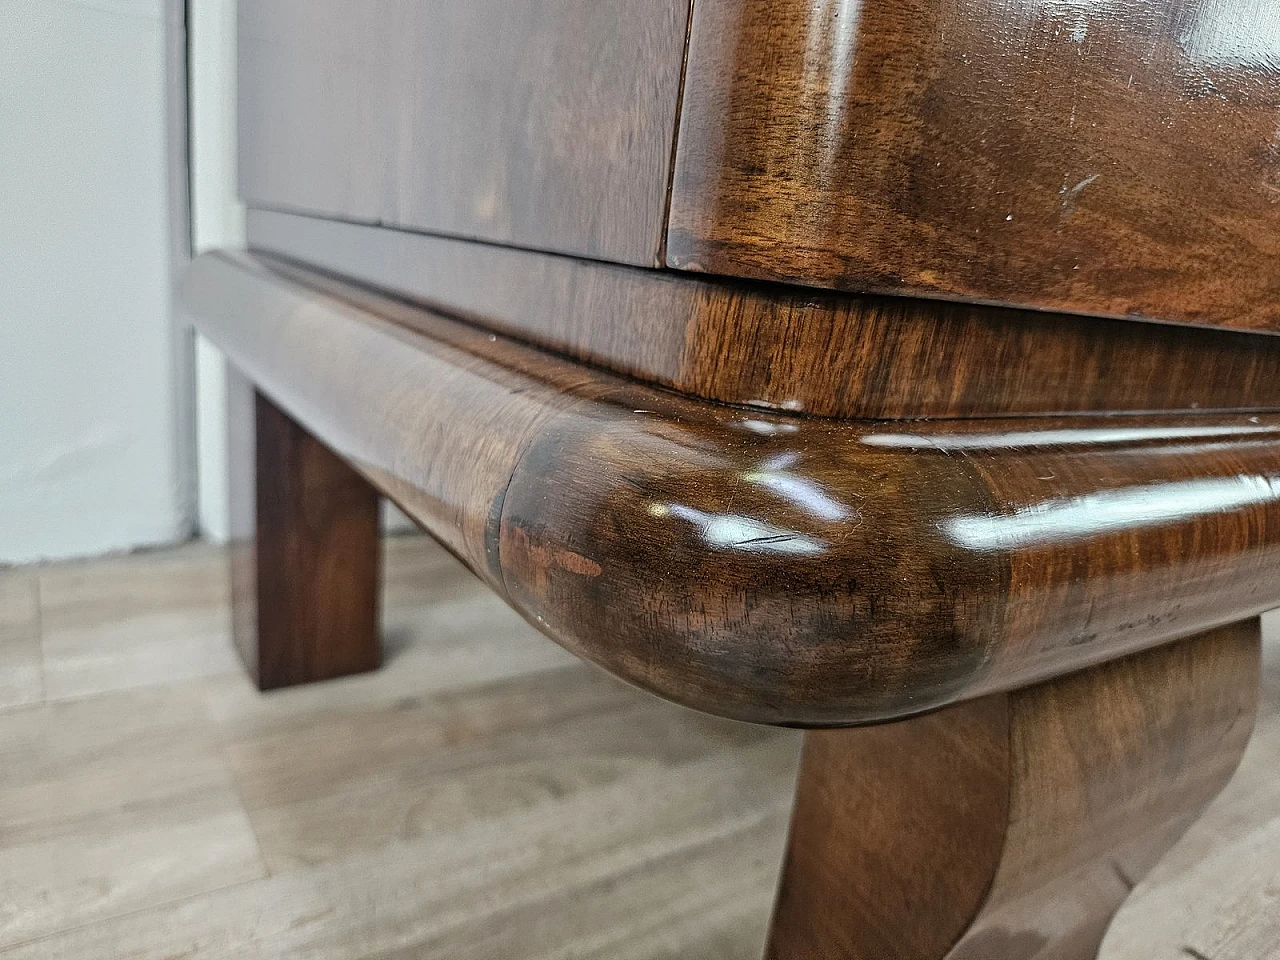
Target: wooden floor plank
<point>21,678</point>
<point>571,865</point>
<point>127,622</point>
<point>484,795</point>
<point>362,779</point>
<point>112,804</point>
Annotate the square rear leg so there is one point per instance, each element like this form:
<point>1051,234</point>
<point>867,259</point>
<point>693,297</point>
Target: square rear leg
<point>306,584</point>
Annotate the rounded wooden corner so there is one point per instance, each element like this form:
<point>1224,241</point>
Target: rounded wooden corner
<point>762,568</point>
<point>826,573</point>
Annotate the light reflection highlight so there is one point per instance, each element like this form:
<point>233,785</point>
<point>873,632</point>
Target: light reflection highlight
<point>736,532</point>
<point>1092,437</point>
<point>829,57</point>
<point>1094,514</point>
<point>766,429</point>
<point>1242,34</point>
<point>800,492</point>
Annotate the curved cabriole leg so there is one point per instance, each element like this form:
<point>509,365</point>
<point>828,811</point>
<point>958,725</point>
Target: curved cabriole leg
<point>305,586</point>
<point>1011,827</point>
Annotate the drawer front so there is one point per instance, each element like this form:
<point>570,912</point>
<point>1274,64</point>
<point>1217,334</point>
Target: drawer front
<point>1114,157</point>
<point>537,123</point>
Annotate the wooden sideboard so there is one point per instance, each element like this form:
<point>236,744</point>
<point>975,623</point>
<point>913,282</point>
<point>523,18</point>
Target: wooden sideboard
<point>905,371</point>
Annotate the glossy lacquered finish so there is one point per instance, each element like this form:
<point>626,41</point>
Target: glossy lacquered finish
<point>306,587</point>
<point>785,348</point>
<point>542,123</point>
<point>1014,826</point>
<point>761,566</point>
<point>1111,158</point>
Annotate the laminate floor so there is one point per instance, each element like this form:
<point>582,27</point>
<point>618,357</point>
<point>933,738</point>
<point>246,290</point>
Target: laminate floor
<point>483,796</point>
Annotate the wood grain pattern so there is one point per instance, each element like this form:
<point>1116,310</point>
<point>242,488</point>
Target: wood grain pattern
<point>1118,159</point>
<point>544,123</point>
<point>784,348</point>
<point>1012,827</point>
<point>879,865</point>
<point>305,589</point>
<point>759,566</point>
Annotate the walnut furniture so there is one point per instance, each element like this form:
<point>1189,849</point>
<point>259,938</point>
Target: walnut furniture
<point>903,371</point>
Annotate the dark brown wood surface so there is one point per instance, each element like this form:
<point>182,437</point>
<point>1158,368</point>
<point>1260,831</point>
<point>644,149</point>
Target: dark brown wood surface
<point>306,588</point>
<point>1014,826</point>
<point>762,566</point>
<point>543,123</point>
<point>895,836</point>
<point>1106,158</point>
<point>785,348</point>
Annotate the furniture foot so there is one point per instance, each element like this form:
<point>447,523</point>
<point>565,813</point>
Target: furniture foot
<point>1014,826</point>
<point>305,587</point>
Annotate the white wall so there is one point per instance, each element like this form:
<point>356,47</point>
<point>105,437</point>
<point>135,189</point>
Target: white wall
<point>224,400</point>
<point>94,438</point>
